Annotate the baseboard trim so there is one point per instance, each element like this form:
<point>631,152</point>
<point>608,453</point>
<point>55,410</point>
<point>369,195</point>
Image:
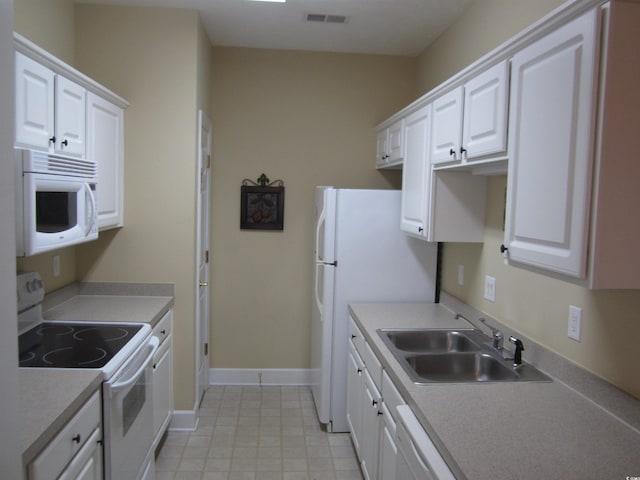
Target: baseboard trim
<point>254,376</point>
<point>184,421</point>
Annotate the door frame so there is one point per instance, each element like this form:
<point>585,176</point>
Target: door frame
<point>203,162</point>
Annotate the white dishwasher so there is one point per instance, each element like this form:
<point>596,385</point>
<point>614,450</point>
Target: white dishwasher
<point>418,458</point>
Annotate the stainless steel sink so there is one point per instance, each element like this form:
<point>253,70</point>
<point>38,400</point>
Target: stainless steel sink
<point>455,356</point>
<point>458,367</point>
<point>432,341</point>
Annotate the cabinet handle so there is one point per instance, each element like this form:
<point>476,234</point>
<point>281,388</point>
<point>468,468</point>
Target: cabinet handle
<point>452,152</point>
<point>503,249</point>
<point>463,150</point>
<point>420,229</point>
<point>52,139</point>
<point>164,332</point>
<point>374,403</point>
<point>359,370</point>
<point>76,439</point>
<point>64,142</point>
<point>380,413</point>
<point>353,336</point>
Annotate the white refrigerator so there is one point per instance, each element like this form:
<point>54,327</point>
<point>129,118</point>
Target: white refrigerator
<point>360,256</point>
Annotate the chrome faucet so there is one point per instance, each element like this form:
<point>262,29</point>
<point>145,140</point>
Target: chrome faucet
<point>496,335</point>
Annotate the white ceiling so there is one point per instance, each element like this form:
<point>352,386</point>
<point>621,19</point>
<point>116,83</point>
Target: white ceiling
<point>391,27</point>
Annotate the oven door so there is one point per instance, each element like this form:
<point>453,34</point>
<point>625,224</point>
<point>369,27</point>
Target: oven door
<point>128,415</point>
<point>58,211</point>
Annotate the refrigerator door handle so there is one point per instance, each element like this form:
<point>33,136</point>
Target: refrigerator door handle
<point>319,228</point>
<point>315,293</point>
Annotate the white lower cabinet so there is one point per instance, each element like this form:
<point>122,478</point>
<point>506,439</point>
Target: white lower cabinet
<point>162,378</point>
<point>369,446</point>
<point>389,441</point>
<point>76,452</point>
<point>355,379</point>
<point>87,464</point>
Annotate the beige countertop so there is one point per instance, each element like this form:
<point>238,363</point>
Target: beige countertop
<point>48,400</point>
<point>50,397</point>
<point>513,430</point>
<point>110,302</point>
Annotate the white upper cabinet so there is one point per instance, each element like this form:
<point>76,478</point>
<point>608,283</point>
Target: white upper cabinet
<point>49,108</point>
<point>70,112</point>
<point>551,149</point>
<point>105,145</point>
<point>416,173</point>
<point>573,176</point>
<point>446,132</point>
<point>470,121</point>
<point>390,145</point>
<point>34,104</point>
<point>485,113</point>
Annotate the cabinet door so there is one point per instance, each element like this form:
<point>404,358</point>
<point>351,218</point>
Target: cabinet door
<point>87,464</point>
<point>70,117</point>
<point>485,112</point>
<point>369,444</point>
<point>34,103</point>
<point>550,149</point>
<point>105,145</point>
<point>416,173</point>
<point>447,127</point>
<point>388,448</point>
<point>381,147</point>
<point>395,142</point>
<point>354,396</point>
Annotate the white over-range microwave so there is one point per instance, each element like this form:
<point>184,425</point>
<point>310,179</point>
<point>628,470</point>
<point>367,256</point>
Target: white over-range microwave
<point>55,201</point>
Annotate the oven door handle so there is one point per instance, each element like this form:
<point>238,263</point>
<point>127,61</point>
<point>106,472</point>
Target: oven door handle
<point>122,384</point>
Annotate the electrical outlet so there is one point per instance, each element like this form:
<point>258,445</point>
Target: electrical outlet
<point>575,323</point>
<point>460,275</point>
<point>490,288</point>
<point>56,265</point>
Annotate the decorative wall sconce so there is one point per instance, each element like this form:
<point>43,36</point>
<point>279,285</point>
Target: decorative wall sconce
<point>262,204</point>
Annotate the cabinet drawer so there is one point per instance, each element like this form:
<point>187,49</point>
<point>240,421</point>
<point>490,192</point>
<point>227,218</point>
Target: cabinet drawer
<point>373,366</point>
<point>390,394</point>
<point>163,328</point>
<point>356,337</point>
<point>54,458</point>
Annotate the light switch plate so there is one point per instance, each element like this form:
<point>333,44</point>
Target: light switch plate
<point>575,323</point>
<point>489,288</point>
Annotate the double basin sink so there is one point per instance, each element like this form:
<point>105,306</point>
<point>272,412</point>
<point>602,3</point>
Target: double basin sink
<point>454,356</point>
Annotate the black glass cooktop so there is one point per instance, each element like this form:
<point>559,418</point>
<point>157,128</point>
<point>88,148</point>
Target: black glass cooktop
<point>73,345</point>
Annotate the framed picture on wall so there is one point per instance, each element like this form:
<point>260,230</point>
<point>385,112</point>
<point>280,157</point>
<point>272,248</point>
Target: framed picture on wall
<point>261,208</point>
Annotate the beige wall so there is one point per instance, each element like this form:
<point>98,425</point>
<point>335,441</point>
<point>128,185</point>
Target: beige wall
<point>150,57</point>
<point>49,24</point>
<point>308,119</point>
<point>533,304</point>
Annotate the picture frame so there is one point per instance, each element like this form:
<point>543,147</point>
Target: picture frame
<point>261,208</point>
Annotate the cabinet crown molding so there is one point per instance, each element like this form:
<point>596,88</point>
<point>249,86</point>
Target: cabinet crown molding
<point>30,49</point>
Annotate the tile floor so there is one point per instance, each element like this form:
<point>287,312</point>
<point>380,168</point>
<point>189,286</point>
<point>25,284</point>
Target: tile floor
<point>257,433</point>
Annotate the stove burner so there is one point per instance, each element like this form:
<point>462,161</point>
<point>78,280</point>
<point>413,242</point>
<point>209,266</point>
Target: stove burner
<point>27,357</point>
<point>73,345</point>
<point>114,334</point>
<point>54,330</point>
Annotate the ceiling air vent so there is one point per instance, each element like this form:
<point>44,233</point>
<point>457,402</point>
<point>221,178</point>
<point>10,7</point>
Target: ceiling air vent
<point>323,18</point>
